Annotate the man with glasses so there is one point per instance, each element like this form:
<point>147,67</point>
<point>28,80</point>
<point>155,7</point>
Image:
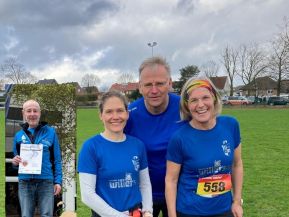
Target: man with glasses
<point>153,119</point>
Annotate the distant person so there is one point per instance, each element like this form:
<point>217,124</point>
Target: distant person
<point>112,166</point>
<point>153,119</point>
<point>40,140</point>
<point>204,165</point>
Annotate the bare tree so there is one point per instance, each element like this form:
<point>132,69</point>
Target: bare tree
<point>90,80</point>
<point>229,60</point>
<point>210,68</point>
<point>279,58</point>
<point>285,35</point>
<point>1,83</point>
<point>16,73</point>
<point>252,63</point>
<point>125,78</point>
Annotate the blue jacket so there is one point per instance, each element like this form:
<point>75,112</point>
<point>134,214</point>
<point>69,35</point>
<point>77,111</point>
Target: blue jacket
<point>51,159</point>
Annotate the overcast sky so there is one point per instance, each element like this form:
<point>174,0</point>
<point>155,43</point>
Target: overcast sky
<point>65,39</point>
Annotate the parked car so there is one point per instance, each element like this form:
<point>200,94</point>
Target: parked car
<point>277,100</point>
<point>254,99</point>
<point>237,100</point>
<point>224,99</point>
<point>286,97</point>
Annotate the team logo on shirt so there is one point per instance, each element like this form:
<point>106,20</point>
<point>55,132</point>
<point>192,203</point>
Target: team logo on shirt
<point>217,166</point>
<point>127,182</point>
<point>226,148</point>
<point>135,162</point>
<point>23,138</point>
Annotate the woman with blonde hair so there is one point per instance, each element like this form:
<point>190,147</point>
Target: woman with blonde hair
<point>204,166</point>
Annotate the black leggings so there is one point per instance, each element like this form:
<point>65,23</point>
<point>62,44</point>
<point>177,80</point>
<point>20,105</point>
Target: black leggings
<point>94,214</point>
<point>160,206</point>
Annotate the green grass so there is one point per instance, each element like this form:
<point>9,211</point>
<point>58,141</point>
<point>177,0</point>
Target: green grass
<point>88,124</point>
<point>265,156</point>
<point>265,150</point>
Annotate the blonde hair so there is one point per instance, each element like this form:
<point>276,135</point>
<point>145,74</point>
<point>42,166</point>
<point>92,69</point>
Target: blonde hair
<point>192,84</point>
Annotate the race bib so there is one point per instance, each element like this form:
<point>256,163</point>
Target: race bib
<point>214,185</point>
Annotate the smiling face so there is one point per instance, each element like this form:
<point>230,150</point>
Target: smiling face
<point>155,83</point>
<point>114,115</point>
<point>31,113</point>
<point>202,108</point>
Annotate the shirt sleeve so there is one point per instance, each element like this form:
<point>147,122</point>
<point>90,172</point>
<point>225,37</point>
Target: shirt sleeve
<point>57,160</point>
<point>146,190</point>
<point>93,200</point>
<point>87,159</point>
<point>15,152</point>
<point>144,161</point>
<point>174,151</point>
<point>237,136</point>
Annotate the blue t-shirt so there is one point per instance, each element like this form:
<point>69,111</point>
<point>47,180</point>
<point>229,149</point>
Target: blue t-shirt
<point>155,132</point>
<point>117,166</point>
<point>203,153</point>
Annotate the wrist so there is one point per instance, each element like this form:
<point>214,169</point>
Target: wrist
<point>147,214</point>
<point>238,201</point>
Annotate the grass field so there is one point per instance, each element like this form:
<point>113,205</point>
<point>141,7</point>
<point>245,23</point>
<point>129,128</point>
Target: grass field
<point>265,151</point>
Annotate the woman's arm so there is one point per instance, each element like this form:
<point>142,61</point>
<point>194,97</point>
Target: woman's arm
<point>146,192</point>
<point>172,177</point>
<point>237,181</point>
<point>92,200</point>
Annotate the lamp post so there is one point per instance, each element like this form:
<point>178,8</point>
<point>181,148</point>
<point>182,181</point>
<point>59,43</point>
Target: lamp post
<point>152,46</point>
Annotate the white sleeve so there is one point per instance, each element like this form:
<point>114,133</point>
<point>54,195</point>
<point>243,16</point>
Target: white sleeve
<point>146,190</point>
<point>94,201</point>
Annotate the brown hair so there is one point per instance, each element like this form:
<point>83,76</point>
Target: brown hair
<point>109,94</point>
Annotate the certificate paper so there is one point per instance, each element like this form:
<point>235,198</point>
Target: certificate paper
<point>31,156</point>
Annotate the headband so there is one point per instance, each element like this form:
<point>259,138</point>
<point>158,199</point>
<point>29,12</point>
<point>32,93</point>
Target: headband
<point>197,84</point>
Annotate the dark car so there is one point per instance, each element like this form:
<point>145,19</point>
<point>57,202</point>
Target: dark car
<point>276,100</point>
<point>254,99</point>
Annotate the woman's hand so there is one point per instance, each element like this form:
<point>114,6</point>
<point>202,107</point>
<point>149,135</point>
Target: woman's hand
<point>147,214</point>
<point>237,209</point>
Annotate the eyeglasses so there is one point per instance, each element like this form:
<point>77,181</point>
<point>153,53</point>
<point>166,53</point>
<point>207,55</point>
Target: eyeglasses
<point>149,86</point>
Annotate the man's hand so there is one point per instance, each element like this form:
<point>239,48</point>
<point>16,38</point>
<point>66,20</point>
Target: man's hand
<point>16,160</point>
<point>57,189</point>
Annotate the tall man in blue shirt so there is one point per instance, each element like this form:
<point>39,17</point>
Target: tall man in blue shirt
<point>153,119</point>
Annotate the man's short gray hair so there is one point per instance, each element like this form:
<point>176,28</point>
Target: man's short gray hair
<point>152,61</point>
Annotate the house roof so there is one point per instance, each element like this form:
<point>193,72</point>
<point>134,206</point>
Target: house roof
<point>219,82</point>
<point>47,81</point>
<point>130,86</point>
<point>262,83</point>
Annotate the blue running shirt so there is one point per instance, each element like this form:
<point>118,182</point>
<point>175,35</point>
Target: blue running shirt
<point>117,166</point>
<point>155,131</point>
<point>203,153</point>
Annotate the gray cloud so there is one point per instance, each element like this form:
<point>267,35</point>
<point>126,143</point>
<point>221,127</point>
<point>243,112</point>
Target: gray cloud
<point>55,14</point>
<point>99,36</point>
<point>186,6</point>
